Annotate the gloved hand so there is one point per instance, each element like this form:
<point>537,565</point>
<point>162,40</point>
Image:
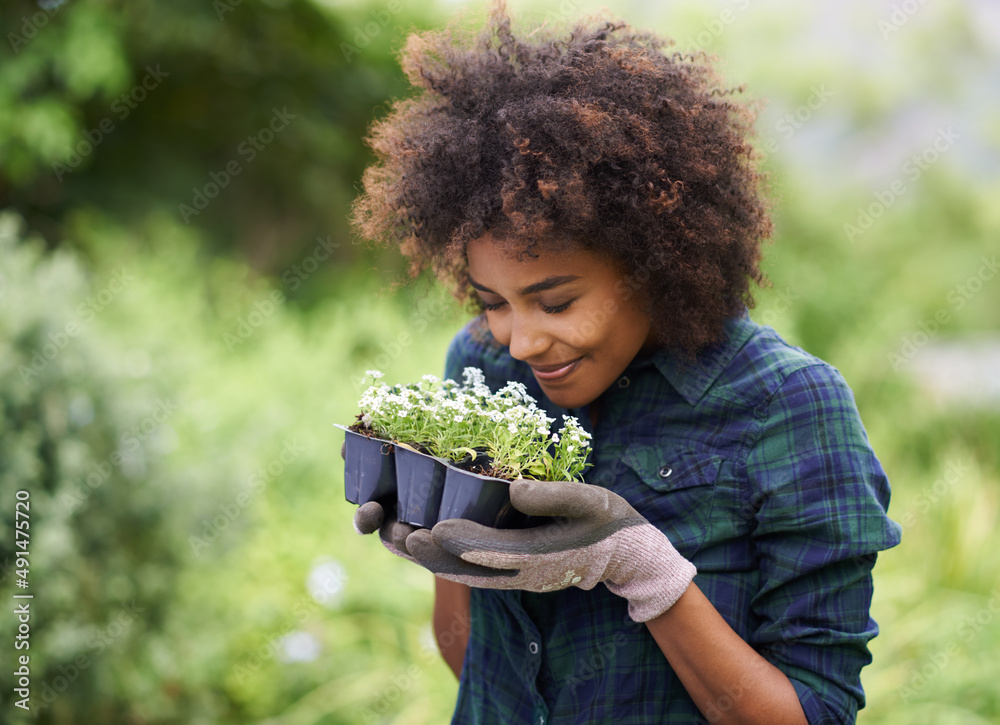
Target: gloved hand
<point>371,517</point>
<point>597,537</point>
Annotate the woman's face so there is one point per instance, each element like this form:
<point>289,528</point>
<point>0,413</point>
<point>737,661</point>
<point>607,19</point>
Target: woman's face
<point>560,313</point>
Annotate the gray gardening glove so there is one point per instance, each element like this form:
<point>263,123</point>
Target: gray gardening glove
<point>371,517</point>
<point>596,537</point>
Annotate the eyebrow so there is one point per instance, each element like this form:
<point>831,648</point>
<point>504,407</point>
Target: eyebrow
<point>546,284</point>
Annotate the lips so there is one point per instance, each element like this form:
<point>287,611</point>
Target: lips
<point>558,371</point>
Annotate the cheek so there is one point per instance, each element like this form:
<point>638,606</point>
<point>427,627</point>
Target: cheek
<point>586,333</point>
<point>595,327</point>
<point>631,321</point>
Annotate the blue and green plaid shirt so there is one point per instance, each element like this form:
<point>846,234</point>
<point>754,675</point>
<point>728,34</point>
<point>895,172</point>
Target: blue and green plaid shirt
<point>754,462</point>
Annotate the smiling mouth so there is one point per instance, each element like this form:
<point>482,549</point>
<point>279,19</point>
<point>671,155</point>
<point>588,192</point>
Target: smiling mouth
<point>552,373</point>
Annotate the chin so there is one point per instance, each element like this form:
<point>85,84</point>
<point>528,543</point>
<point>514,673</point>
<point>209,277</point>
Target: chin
<point>568,398</point>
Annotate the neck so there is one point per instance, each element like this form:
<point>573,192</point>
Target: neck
<point>594,408</point>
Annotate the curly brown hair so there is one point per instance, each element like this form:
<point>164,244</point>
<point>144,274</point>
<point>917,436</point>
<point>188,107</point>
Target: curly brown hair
<point>600,140</point>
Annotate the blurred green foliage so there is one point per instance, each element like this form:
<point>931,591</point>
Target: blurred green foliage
<point>227,497</point>
<point>146,107</point>
<point>168,388</point>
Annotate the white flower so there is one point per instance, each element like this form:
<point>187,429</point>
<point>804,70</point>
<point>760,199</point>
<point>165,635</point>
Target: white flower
<point>451,414</point>
<point>473,377</point>
<point>376,374</point>
<point>476,382</point>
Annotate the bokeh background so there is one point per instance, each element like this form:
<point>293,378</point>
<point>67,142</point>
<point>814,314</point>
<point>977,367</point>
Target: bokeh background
<point>184,314</point>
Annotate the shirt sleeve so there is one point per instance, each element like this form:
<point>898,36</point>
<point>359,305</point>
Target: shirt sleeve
<point>820,498</point>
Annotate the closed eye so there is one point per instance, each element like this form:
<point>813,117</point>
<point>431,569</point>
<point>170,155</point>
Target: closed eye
<point>545,308</point>
<point>557,309</point>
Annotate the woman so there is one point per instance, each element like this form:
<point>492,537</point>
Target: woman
<point>596,198</point>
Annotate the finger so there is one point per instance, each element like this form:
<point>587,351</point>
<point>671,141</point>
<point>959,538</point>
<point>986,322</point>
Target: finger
<point>461,536</point>
<point>368,517</point>
<point>559,498</point>
<point>343,450</point>
<point>428,554</point>
<point>395,533</point>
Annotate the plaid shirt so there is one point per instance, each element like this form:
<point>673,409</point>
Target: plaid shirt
<point>754,462</point>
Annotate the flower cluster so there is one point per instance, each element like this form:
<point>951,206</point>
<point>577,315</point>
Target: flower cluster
<point>462,421</point>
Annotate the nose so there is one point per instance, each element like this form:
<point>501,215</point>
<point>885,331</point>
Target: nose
<point>528,339</point>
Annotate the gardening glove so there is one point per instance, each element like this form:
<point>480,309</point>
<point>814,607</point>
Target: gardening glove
<point>596,537</point>
<point>371,517</point>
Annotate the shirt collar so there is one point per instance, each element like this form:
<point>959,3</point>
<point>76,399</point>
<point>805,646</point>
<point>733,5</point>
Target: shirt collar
<point>693,378</point>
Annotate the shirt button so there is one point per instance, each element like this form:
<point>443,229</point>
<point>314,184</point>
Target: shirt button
<point>665,472</point>
<point>533,648</point>
<point>623,381</point>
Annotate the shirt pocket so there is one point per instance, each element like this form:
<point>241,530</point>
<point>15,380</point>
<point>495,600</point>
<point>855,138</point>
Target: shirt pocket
<point>675,491</point>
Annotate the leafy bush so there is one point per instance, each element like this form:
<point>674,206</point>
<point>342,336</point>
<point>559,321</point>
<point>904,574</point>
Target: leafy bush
<point>85,435</point>
<point>225,520</point>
